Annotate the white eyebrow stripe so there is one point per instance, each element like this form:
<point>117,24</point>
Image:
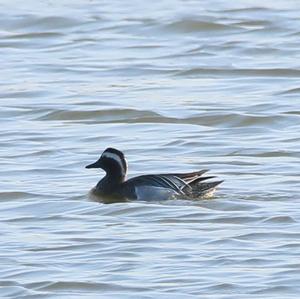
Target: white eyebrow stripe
<point>116,158</point>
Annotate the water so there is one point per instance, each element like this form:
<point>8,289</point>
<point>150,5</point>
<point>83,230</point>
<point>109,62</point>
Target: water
<point>176,85</point>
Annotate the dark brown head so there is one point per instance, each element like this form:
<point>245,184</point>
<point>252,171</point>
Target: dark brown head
<point>113,162</point>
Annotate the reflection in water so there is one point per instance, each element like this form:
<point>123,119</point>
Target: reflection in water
<point>178,86</point>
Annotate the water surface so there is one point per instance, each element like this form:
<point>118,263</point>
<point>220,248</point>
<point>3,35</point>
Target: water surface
<point>176,85</point>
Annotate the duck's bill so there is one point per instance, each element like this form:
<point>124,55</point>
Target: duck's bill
<point>94,165</point>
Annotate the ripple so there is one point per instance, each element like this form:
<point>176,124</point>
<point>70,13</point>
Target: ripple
<point>46,23</point>
<point>257,24</point>
<point>281,219</point>
<point>147,116</point>
<point>189,25</point>
<point>14,291</point>
<point>68,286</point>
<point>277,290</point>
<point>34,35</point>
<point>290,91</point>
<point>272,72</point>
<point>15,195</point>
<point>111,115</point>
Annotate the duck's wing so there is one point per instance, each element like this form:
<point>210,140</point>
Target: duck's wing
<point>165,186</point>
<point>195,187</point>
<point>187,177</point>
<point>167,181</point>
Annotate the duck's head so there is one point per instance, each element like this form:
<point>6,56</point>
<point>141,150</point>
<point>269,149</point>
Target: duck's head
<point>112,161</point>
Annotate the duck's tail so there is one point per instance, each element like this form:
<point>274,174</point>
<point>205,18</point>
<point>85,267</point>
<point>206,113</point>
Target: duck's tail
<point>200,189</point>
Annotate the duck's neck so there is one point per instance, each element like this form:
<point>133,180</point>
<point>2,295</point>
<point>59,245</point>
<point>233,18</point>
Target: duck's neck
<point>115,178</point>
<point>109,184</point>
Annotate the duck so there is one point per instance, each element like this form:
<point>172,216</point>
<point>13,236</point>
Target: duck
<point>114,187</point>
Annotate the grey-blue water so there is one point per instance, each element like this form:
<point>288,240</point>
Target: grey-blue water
<point>178,86</point>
